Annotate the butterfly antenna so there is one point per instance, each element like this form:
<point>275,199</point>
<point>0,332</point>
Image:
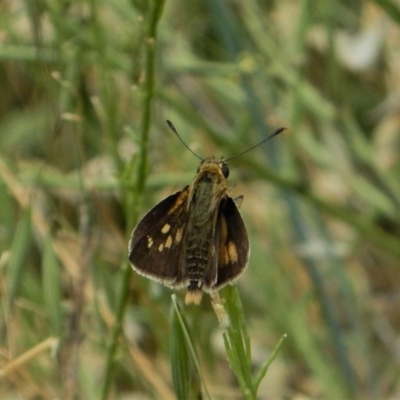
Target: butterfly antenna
<point>277,132</point>
<point>171,125</point>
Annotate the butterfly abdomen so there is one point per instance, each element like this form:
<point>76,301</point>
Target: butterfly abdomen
<point>197,259</point>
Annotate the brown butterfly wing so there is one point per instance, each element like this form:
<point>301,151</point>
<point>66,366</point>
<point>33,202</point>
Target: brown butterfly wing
<point>157,243</point>
<point>233,242</point>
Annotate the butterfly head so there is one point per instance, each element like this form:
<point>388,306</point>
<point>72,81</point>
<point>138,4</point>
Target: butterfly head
<point>210,165</point>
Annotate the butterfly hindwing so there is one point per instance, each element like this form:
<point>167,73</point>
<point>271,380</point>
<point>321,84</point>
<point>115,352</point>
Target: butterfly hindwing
<point>234,247</point>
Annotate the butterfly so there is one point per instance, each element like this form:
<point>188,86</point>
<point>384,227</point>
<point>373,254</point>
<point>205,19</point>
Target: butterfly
<point>196,238</point>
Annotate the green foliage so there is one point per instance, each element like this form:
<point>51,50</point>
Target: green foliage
<point>185,368</point>
<point>86,88</point>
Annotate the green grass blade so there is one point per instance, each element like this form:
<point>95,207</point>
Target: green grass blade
<point>264,367</point>
<point>18,256</point>
<point>237,343</point>
<point>181,365</point>
<point>51,281</point>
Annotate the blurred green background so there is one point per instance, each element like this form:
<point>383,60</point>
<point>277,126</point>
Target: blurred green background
<point>85,89</point>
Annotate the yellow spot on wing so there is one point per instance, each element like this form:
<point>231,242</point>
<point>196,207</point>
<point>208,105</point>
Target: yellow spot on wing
<point>168,243</point>
<point>232,251</point>
<point>226,256</point>
<point>165,228</point>
<point>178,235</point>
<point>161,247</point>
<point>149,241</point>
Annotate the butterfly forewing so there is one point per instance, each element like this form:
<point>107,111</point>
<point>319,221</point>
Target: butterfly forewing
<point>156,245</point>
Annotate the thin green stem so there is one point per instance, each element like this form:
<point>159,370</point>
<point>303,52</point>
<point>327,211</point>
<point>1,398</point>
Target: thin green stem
<point>264,368</point>
<point>189,343</point>
<point>237,343</point>
<point>148,88</point>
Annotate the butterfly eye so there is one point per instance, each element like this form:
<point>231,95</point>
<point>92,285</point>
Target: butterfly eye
<point>225,170</point>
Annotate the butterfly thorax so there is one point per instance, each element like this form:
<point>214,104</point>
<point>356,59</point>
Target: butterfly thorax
<point>206,193</point>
